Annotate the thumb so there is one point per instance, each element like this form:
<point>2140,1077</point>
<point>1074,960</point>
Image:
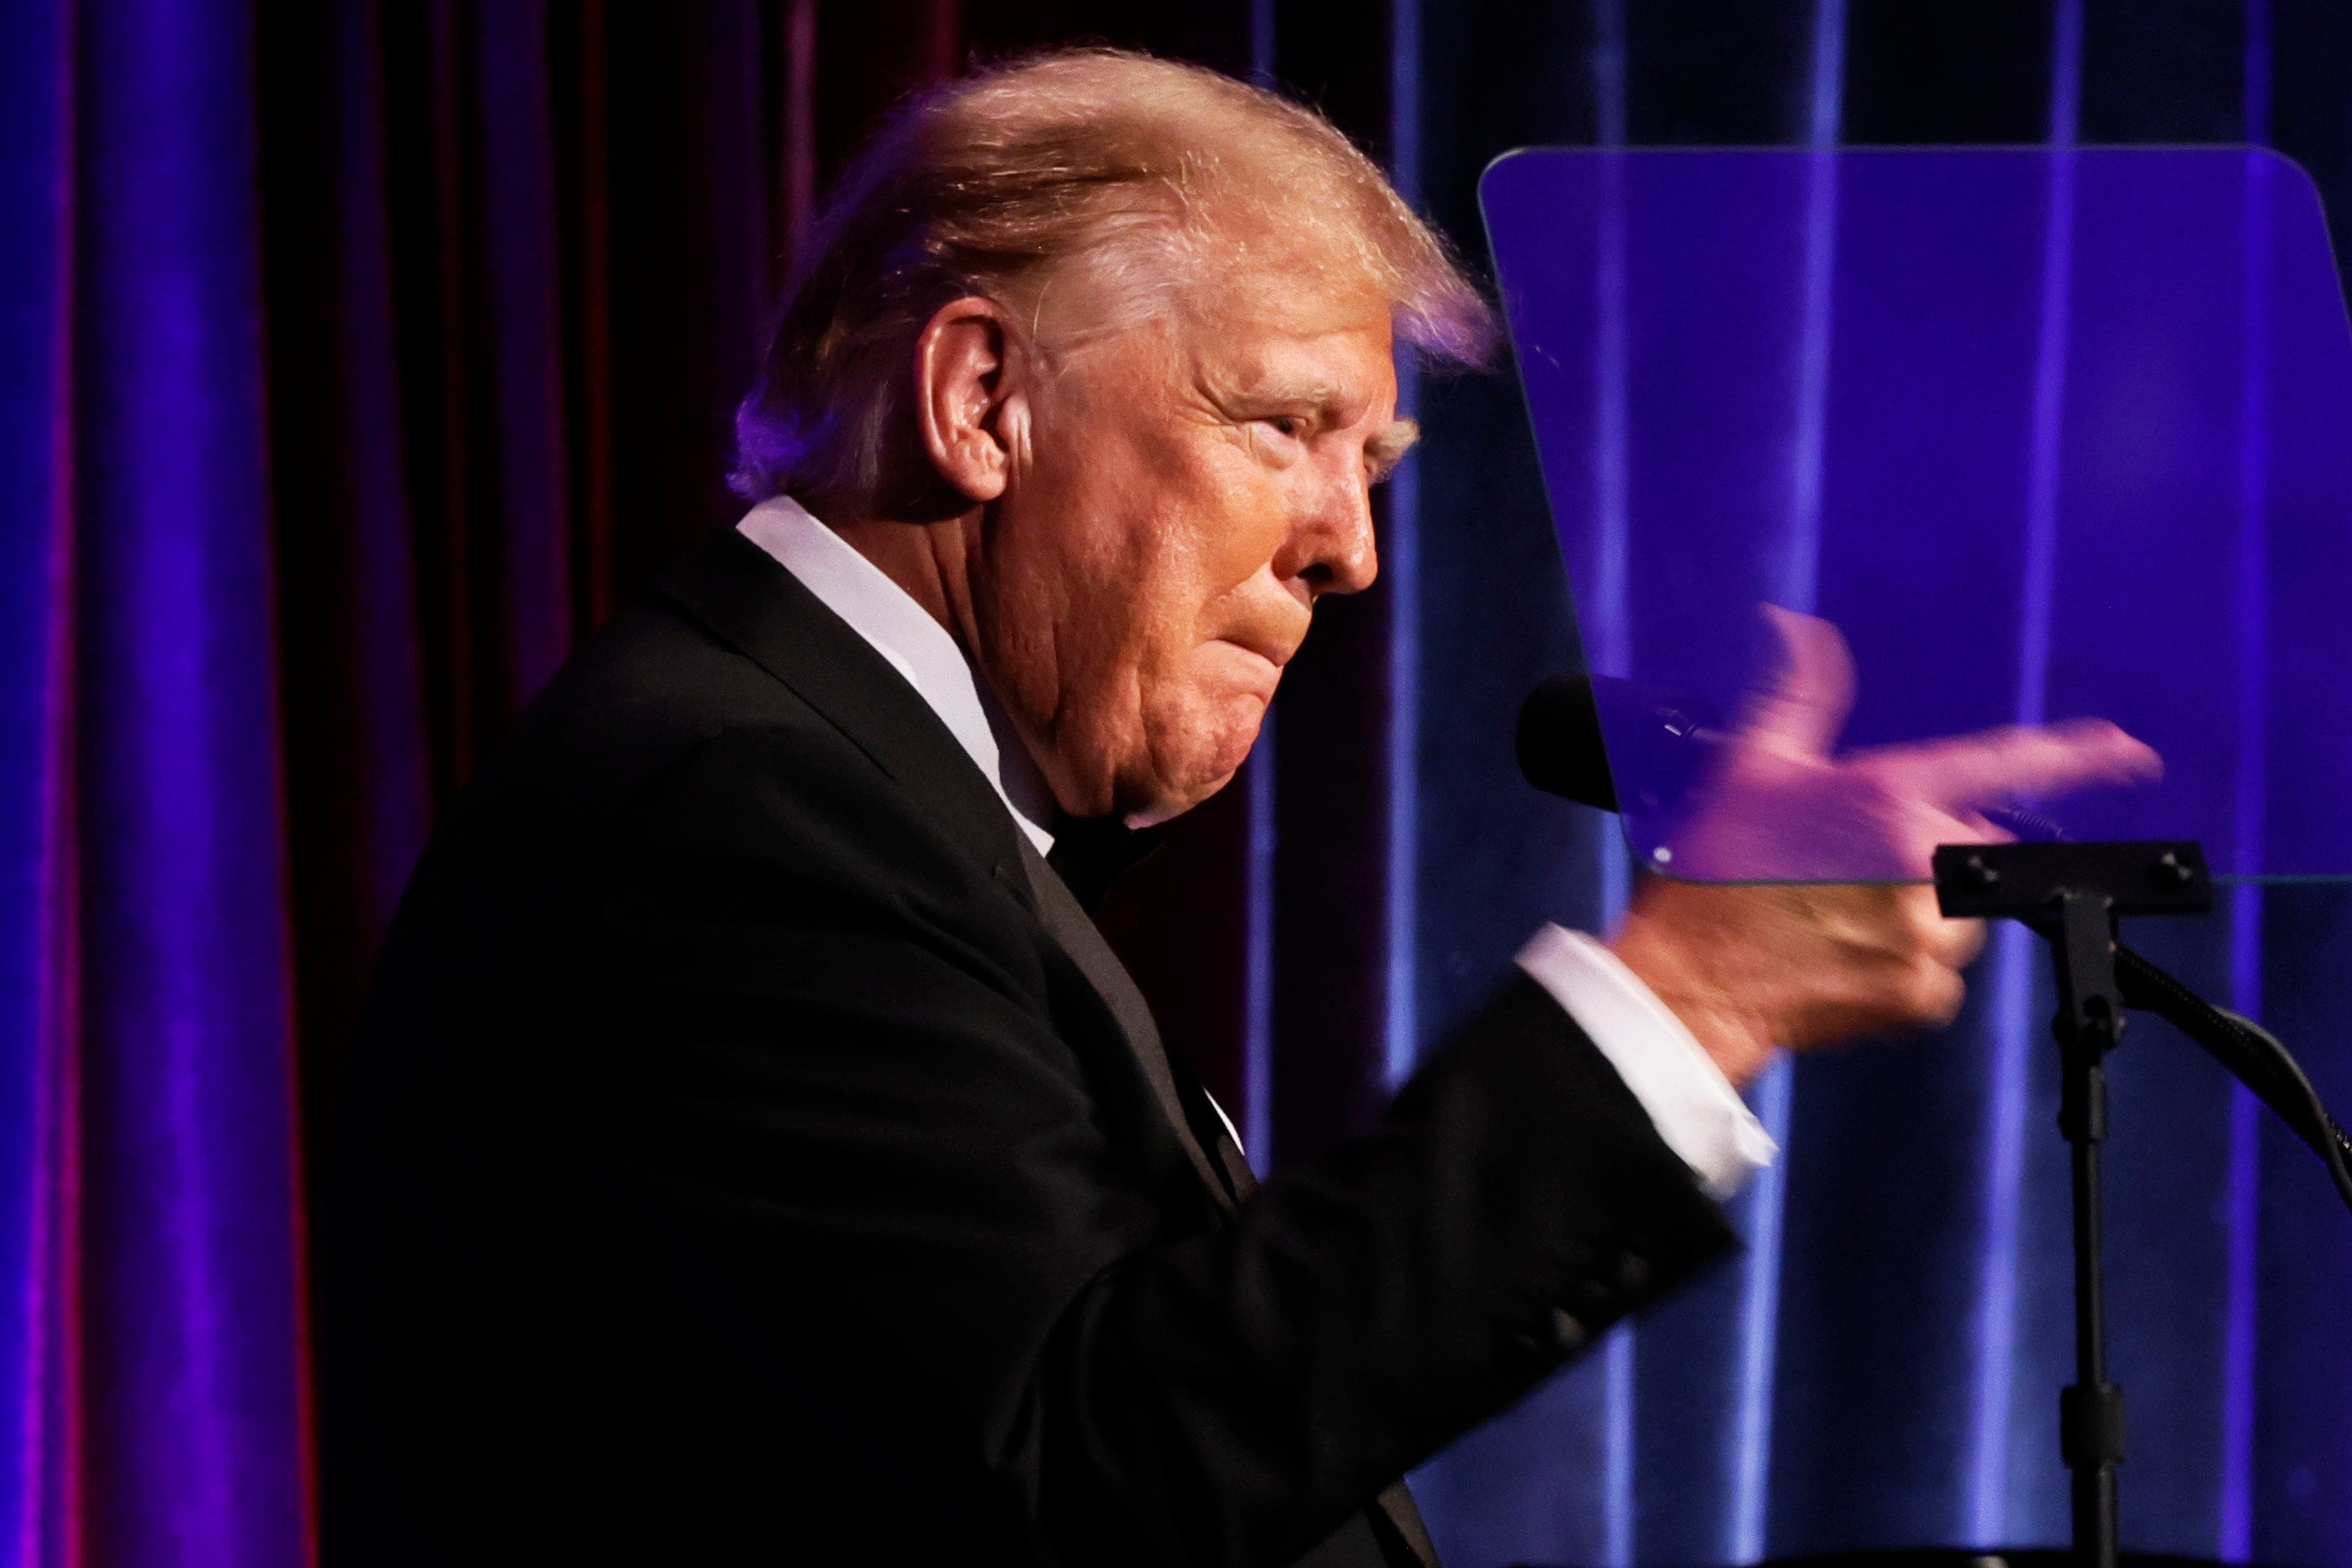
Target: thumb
<point>1800,707</point>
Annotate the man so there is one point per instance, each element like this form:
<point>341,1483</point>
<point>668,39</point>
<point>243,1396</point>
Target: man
<point>757,1157</point>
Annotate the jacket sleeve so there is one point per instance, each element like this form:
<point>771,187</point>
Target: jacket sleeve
<point>831,1066</point>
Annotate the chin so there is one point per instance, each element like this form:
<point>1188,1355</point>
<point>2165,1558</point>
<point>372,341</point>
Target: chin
<point>1202,761</point>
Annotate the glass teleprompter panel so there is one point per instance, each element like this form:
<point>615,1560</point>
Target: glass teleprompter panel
<point>2045,434</point>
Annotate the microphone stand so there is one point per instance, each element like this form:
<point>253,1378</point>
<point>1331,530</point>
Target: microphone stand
<point>2073,895</point>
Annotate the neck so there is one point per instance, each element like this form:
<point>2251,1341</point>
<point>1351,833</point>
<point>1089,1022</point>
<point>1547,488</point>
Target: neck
<point>931,562</point>
<point>928,559</point>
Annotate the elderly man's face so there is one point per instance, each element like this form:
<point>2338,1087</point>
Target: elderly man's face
<point>1180,495</point>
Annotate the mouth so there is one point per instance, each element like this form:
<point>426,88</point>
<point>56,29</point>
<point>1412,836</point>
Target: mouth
<point>1261,663</point>
<point>1274,655</point>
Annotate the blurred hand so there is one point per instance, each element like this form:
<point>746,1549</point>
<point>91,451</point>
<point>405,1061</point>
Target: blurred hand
<point>1750,968</point>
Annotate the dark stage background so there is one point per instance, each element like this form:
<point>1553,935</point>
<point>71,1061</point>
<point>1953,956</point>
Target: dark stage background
<point>356,359</point>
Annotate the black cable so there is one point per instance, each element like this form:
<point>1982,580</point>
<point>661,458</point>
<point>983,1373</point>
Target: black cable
<point>2251,1052</point>
<point>2326,1138</point>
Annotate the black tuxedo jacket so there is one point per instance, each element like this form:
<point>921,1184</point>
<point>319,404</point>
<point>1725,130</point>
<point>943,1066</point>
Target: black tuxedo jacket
<point>753,1156</point>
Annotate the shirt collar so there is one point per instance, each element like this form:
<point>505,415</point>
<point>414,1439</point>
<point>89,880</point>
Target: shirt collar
<point>917,646</point>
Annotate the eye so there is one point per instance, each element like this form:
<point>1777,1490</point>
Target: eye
<point>1289,426</point>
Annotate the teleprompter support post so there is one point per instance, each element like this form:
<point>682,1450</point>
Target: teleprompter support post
<point>2072,895</point>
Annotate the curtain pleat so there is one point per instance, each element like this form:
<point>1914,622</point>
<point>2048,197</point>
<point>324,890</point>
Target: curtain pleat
<point>37,926</point>
<point>189,1283</point>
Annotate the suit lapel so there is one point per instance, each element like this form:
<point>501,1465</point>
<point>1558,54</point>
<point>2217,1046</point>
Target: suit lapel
<point>741,595</point>
<point>745,597</point>
<point>1068,924</point>
<point>1394,1519</point>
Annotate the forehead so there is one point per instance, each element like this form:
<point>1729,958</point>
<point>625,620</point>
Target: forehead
<point>1302,286</point>
<point>1288,332</point>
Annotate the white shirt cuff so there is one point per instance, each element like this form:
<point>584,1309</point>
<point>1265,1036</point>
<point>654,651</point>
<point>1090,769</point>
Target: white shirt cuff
<point>1689,1101</point>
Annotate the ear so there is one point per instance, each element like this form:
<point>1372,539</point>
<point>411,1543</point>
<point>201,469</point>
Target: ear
<point>963,383</point>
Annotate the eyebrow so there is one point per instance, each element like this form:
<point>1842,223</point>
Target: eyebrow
<point>1385,450</point>
<point>1382,452</point>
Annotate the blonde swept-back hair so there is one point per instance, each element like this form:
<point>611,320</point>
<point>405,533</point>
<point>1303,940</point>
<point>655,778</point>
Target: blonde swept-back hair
<point>1135,166</point>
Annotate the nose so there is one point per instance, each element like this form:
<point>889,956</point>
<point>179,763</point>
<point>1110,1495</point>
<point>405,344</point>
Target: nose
<point>1332,549</point>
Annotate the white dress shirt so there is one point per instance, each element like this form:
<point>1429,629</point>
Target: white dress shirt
<point>1694,1107</point>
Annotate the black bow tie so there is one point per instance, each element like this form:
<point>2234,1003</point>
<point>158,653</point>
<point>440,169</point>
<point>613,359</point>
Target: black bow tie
<point>1089,852</point>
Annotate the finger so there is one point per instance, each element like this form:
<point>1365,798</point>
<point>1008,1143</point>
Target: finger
<point>1802,706</point>
<point>1969,772</point>
<point>1935,995</point>
<point>1927,933</point>
<point>1978,829</point>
